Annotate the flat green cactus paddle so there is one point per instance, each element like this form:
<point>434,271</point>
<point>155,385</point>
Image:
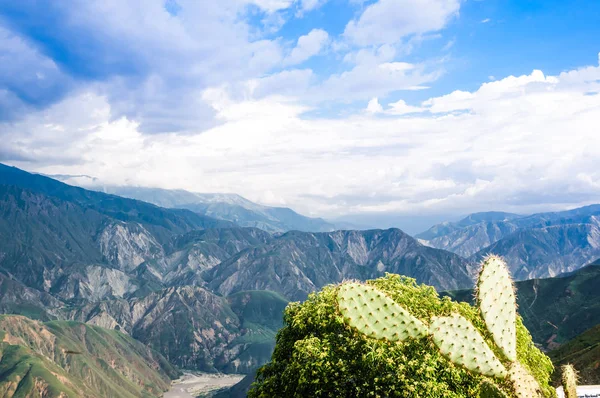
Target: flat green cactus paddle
<point>497,303</point>
<point>459,341</point>
<point>376,315</point>
<point>569,381</point>
<point>524,384</point>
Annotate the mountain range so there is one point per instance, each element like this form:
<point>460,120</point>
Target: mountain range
<point>222,206</point>
<point>200,291</point>
<point>534,246</point>
<point>172,278</point>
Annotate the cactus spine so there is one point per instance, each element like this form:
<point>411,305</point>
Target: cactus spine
<point>374,314</point>
<point>569,381</point>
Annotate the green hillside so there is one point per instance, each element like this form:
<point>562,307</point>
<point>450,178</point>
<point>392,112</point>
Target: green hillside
<point>583,352</point>
<point>60,358</point>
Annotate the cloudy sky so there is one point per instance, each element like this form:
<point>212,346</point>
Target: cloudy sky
<point>371,108</point>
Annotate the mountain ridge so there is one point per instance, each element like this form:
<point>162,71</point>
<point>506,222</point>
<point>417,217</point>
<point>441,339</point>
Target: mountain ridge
<point>223,206</point>
<point>69,359</point>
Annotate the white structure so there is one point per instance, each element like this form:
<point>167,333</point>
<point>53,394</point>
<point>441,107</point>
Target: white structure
<point>582,392</point>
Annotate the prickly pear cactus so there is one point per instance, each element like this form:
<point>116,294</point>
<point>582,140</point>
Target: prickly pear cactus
<point>374,314</point>
<point>498,306</point>
<point>321,352</point>
<point>459,341</point>
<point>569,381</point>
<point>524,384</point>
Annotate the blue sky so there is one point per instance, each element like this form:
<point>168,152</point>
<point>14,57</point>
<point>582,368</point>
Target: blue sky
<point>334,107</point>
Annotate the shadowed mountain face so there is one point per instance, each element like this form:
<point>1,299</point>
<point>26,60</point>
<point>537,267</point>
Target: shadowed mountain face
<point>540,245</point>
<point>194,328</point>
<point>297,263</point>
<point>583,352</point>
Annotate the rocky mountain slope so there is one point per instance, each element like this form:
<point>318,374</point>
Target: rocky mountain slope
<point>556,310</point>
<point>194,328</point>
<point>69,359</point>
<point>549,250</point>
<point>539,245</point>
<point>172,278</point>
<point>298,263</point>
<point>229,207</point>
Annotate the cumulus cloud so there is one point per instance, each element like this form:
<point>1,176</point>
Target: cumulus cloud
<point>308,45</point>
<point>374,106</point>
<point>389,21</point>
<point>152,66</point>
<point>524,143</point>
<point>309,5</point>
<point>272,5</point>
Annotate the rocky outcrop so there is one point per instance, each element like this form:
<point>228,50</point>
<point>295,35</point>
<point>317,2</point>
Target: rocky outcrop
<point>127,245</point>
<point>298,263</point>
<point>194,328</point>
<point>548,251</point>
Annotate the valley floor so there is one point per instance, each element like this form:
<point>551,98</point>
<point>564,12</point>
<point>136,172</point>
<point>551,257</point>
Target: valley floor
<point>191,385</point>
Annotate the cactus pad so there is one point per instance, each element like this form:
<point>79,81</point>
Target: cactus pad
<point>496,299</point>
<point>376,315</point>
<point>524,384</point>
<point>569,381</point>
<point>459,341</point>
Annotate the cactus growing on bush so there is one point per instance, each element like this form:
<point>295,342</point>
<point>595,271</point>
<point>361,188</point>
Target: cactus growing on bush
<point>456,338</point>
<point>392,337</point>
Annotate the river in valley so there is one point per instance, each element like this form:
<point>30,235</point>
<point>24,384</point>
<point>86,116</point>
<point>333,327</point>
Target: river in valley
<point>192,385</point>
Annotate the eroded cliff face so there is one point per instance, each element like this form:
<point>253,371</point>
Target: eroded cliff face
<point>299,263</point>
<point>127,245</point>
<point>191,326</point>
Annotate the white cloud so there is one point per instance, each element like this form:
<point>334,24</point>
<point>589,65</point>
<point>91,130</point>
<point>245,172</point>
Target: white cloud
<point>524,143</point>
<point>271,5</point>
<point>374,106</point>
<point>309,5</point>
<point>308,46</point>
<point>388,21</point>
<point>367,80</point>
<point>401,108</point>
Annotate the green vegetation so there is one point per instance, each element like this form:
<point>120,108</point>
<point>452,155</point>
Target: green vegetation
<point>375,315</point>
<point>21,372</point>
<point>77,360</point>
<point>319,354</point>
<point>260,315</point>
<point>583,352</point>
